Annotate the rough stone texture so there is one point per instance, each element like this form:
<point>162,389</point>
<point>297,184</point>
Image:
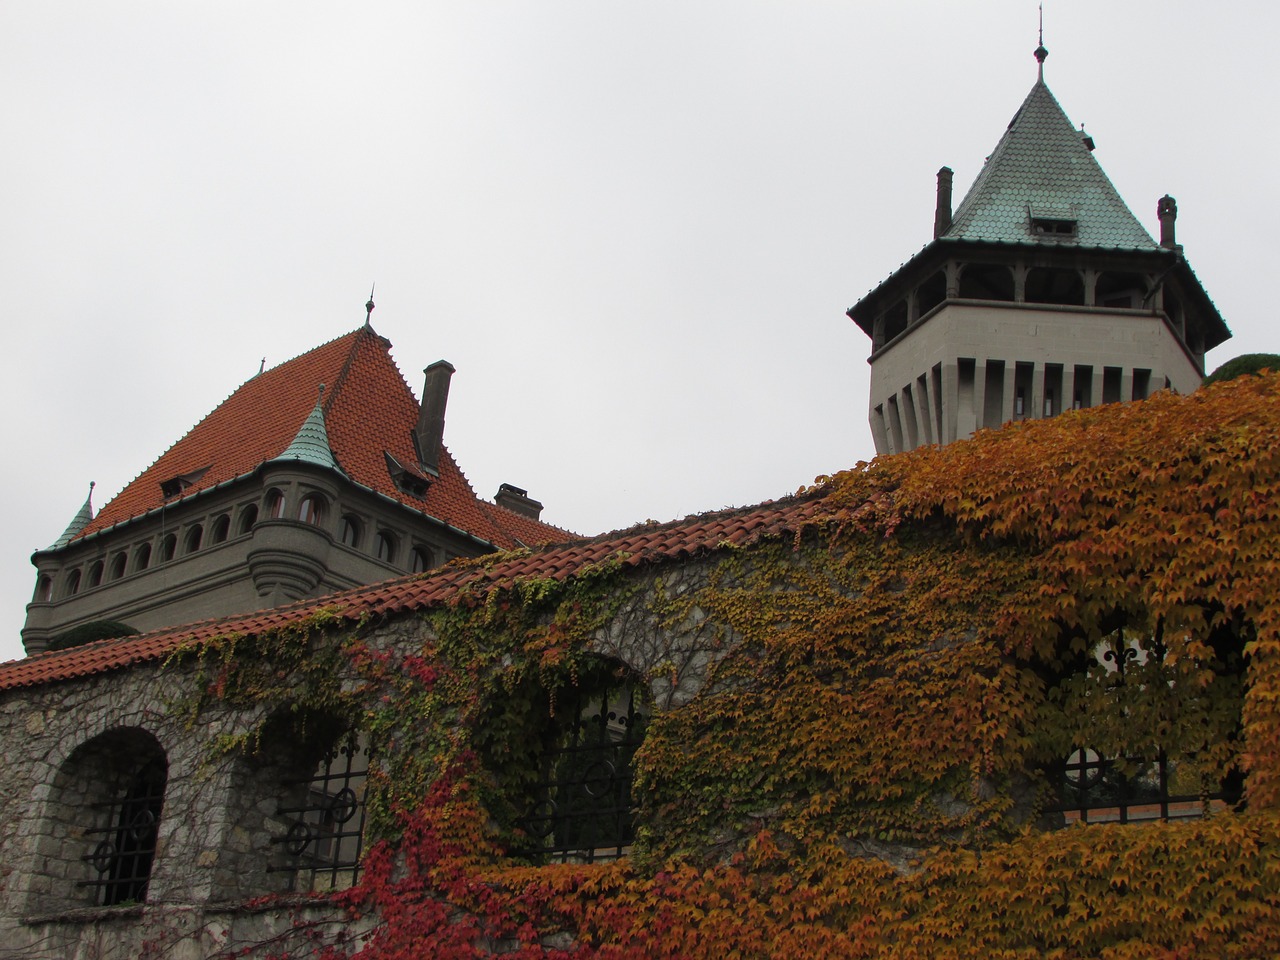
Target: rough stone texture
<point>214,845</point>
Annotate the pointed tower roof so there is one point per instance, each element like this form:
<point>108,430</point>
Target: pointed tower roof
<point>1043,169</point>
<point>78,522</point>
<point>311,445</point>
<point>367,412</point>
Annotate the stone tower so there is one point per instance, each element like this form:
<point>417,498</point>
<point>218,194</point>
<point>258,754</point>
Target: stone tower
<point>1041,292</point>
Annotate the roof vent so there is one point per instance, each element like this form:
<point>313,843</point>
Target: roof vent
<point>1167,211</point>
<point>1086,139</point>
<point>517,500</point>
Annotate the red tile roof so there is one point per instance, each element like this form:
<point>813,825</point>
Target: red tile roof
<point>368,409</point>
<point>638,546</point>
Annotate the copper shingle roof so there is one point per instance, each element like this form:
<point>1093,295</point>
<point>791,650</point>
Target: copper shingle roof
<point>1041,167</point>
<point>368,410</point>
<point>644,544</point>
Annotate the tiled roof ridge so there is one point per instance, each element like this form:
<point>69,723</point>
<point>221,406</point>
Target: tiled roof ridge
<point>640,545</point>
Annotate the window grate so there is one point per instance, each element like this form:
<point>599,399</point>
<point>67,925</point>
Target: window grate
<point>322,846</point>
<point>123,856</point>
<point>581,810</point>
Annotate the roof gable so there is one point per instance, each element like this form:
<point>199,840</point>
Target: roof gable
<point>367,411</point>
<point>1042,169</point>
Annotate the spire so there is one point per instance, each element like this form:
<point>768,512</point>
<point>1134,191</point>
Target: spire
<point>311,445</point>
<point>368,308</point>
<point>1041,53</point>
<point>1042,170</point>
<point>78,522</point>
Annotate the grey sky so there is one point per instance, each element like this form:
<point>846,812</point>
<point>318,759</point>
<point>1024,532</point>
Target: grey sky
<point>633,227</point>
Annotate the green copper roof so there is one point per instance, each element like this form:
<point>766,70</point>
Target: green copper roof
<point>311,445</point>
<point>78,522</point>
<point>1042,168</point>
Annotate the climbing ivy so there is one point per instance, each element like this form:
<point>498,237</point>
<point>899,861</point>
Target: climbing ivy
<point>860,774</point>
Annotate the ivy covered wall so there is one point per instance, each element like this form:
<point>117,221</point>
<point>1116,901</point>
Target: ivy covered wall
<point>859,729</point>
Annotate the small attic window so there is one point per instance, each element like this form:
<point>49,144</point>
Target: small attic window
<point>407,479</point>
<point>1053,227</point>
<point>175,486</point>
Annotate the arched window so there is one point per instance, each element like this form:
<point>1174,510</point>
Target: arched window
<point>118,564</point>
<point>311,509</point>
<point>421,560</point>
<point>95,574</point>
<point>168,547</point>
<point>350,532</point>
<point>386,546</point>
<point>275,504</point>
<point>248,517</point>
<point>579,806</point>
<point>44,589</point>
<point>195,537</point>
<point>73,583</point>
<point>142,557</point>
<point>103,821</point>
<point>221,529</point>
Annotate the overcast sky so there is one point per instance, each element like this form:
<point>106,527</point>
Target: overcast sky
<point>634,228</point>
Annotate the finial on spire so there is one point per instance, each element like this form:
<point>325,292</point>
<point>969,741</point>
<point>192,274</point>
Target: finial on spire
<point>262,366</point>
<point>321,397</point>
<point>368,307</point>
<point>1041,52</point>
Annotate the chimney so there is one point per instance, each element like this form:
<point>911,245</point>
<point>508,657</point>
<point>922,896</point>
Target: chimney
<point>942,215</point>
<point>1167,211</point>
<point>518,501</point>
<point>430,429</point>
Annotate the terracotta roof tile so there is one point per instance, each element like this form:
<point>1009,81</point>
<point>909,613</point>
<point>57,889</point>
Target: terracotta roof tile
<point>368,410</point>
<point>644,544</point>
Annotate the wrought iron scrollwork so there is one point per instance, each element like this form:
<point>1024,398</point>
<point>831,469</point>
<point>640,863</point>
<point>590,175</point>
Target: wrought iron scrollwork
<point>324,840</point>
<point>122,859</point>
<point>581,808</point>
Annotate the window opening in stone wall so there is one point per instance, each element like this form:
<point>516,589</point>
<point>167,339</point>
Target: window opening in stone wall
<point>275,504</point>
<point>142,557</point>
<point>44,589</point>
<point>350,531</point>
<point>221,529</point>
<point>386,547</point>
<point>248,517</point>
<point>168,547</point>
<point>1054,285</point>
<point>195,537</point>
<point>95,574</point>
<point>118,564</point>
<point>311,509</point>
<point>73,583</point>
<point>580,807</point>
<point>1094,786</point>
<point>123,856</point>
<point>421,561</point>
<point>981,281</point>
<point>322,846</point>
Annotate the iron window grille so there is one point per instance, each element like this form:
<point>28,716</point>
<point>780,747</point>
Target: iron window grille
<point>581,808</point>
<point>1092,788</point>
<point>122,858</point>
<point>322,846</point>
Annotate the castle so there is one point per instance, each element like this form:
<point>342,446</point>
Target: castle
<point>850,722</point>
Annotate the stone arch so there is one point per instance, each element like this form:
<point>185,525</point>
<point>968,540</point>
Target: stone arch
<point>98,837</point>
<point>295,807</point>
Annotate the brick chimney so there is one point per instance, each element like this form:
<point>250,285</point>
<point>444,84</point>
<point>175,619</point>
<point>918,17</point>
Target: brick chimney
<point>1167,211</point>
<point>429,432</point>
<point>942,215</point>
<point>518,501</point>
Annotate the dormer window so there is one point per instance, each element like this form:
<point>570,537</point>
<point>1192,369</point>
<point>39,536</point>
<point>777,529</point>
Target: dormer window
<point>407,479</point>
<point>1052,228</point>
<point>176,486</point>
